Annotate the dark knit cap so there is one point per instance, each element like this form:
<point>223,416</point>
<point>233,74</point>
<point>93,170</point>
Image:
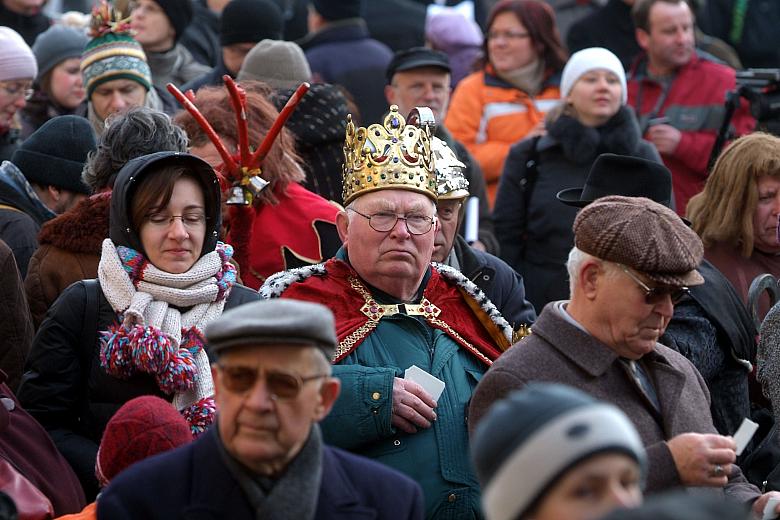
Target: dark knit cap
<point>622,175</point>
<point>250,21</point>
<point>142,427</point>
<point>179,13</point>
<point>643,235</point>
<point>543,431</point>
<point>57,44</point>
<point>333,10</point>
<point>278,322</point>
<point>54,155</point>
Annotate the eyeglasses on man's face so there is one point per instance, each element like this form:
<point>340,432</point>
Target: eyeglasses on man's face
<point>655,295</point>
<point>384,221</point>
<point>281,385</point>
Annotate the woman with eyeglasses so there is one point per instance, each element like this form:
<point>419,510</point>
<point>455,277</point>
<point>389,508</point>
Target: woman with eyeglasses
<point>58,88</point>
<point>138,328</point>
<point>17,70</point>
<point>506,100</point>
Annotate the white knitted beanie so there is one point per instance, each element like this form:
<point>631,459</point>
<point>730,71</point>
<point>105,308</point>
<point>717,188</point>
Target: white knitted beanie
<point>591,59</point>
<point>17,60</point>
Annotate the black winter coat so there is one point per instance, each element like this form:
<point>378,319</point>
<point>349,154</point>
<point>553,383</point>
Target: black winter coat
<point>65,388</point>
<point>536,240</point>
<point>498,281</point>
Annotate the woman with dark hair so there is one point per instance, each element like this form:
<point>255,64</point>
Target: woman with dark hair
<point>286,225</point>
<point>506,101</point>
<point>58,89</point>
<point>137,329</point>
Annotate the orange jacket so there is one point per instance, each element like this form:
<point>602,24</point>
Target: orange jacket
<point>88,513</point>
<point>488,116</point>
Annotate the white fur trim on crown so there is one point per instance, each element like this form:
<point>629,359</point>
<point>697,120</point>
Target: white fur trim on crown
<point>453,275</point>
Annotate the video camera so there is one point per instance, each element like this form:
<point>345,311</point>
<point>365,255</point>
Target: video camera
<point>761,88</point>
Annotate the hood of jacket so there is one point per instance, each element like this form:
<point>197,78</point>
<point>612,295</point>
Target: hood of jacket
<point>121,230</point>
<point>16,192</point>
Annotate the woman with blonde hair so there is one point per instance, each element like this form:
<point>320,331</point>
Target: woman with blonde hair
<point>736,215</point>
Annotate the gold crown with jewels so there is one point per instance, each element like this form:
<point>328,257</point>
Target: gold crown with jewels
<point>393,155</point>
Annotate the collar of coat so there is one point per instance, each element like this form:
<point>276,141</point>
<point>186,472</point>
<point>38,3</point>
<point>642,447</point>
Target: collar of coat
<point>81,229</point>
<point>579,347</point>
<point>465,314</point>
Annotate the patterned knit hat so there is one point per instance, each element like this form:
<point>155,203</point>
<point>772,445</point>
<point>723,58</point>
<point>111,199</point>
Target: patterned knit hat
<point>112,53</point>
<point>142,427</point>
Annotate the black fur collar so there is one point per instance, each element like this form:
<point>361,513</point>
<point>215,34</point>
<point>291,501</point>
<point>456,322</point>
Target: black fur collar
<point>582,144</point>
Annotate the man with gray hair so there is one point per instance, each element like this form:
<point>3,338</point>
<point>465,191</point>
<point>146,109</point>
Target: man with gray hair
<point>265,457</point>
<point>633,259</point>
<point>70,243</point>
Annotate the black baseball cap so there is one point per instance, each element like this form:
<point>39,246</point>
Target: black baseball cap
<point>414,58</point>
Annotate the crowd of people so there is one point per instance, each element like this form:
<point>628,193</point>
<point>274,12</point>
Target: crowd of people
<point>394,259</point>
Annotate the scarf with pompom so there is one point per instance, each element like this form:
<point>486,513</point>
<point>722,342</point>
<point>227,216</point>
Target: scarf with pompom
<point>154,336</point>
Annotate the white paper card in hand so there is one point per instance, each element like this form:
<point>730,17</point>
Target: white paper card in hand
<point>769,509</point>
<point>433,385</point>
<point>745,432</point>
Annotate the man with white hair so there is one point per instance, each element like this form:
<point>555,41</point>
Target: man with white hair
<point>633,260</point>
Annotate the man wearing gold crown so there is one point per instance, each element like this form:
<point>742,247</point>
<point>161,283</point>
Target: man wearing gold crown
<point>394,310</point>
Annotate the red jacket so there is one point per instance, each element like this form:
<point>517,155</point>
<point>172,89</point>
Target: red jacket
<point>694,105</point>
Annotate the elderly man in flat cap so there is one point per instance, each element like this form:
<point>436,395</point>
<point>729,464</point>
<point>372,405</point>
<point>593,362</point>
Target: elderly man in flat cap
<point>632,260</point>
<point>395,311</point>
<point>265,457</point>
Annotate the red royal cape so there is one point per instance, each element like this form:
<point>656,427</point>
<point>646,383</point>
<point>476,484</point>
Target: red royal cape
<point>346,295</point>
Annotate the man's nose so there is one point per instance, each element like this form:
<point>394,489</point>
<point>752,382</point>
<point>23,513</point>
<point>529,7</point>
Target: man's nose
<point>260,398</point>
<point>400,229</point>
<point>118,102</point>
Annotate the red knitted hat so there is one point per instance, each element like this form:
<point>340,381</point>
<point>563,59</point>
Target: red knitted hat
<point>142,427</point>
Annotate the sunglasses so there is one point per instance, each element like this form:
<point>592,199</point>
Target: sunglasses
<point>654,295</point>
<point>281,385</point>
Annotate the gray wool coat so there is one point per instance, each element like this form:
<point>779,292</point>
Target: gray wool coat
<point>559,352</point>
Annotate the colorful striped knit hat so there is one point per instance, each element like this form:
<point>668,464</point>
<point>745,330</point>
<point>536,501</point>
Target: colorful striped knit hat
<point>112,53</point>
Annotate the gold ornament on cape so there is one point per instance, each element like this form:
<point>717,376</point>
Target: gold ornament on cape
<point>393,155</point>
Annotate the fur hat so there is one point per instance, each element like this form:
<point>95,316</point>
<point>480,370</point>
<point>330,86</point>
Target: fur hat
<point>17,60</point>
<point>589,59</point>
<point>54,155</point>
<point>142,427</point>
<point>543,431</point>
<point>333,10</point>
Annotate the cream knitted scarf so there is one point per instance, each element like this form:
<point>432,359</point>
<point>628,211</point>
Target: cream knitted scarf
<point>155,336</point>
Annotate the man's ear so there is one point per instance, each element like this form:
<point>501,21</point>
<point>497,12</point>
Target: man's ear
<point>590,275</point>
<point>390,94</point>
<point>342,226</point>
<point>642,38</point>
<point>329,392</point>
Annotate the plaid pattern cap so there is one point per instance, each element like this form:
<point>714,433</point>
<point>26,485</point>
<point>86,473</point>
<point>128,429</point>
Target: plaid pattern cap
<point>643,235</point>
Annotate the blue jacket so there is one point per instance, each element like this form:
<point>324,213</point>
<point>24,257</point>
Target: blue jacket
<point>192,482</point>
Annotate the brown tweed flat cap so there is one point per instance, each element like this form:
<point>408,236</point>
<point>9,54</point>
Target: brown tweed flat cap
<point>643,235</point>
<point>277,322</point>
